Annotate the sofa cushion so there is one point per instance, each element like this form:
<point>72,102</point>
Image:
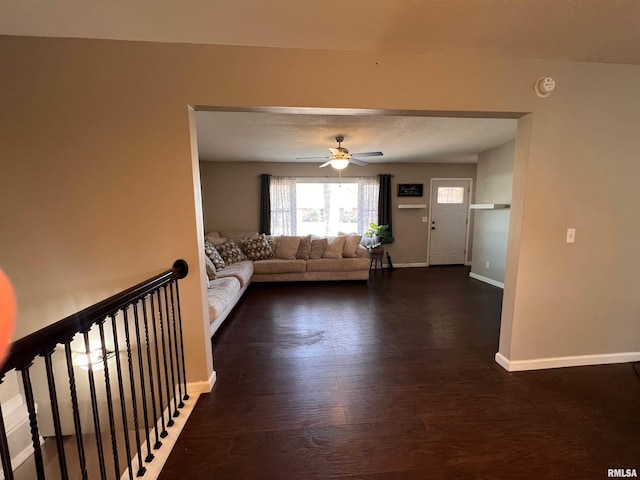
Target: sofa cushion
<point>337,264</point>
<point>211,252</point>
<point>241,270</point>
<point>230,252</point>
<point>210,267</point>
<point>287,247</point>
<point>212,236</point>
<point>217,240</point>
<point>276,265</point>
<point>257,248</point>
<point>351,244</point>
<point>238,236</point>
<point>273,242</point>
<point>220,292</point>
<point>335,246</point>
<point>318,246</point>
<point>305,248</point>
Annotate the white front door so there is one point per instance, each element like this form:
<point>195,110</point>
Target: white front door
<point>448,221</point>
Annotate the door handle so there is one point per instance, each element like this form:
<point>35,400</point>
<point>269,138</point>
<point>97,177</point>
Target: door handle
<point>433,228</point>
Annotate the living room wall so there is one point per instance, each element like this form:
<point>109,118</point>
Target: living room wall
<point>97,178</point>
<point>230,192</point>
<point>491,227</point>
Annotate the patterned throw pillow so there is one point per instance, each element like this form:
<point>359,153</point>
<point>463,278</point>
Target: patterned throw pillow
<point>230,252</point>
<point>211,252</point>
<point>257,248</point>
<point>305,248</point>
<point>318,246</point>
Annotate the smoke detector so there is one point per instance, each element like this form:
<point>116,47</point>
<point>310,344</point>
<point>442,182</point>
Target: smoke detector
<point>544,86</point>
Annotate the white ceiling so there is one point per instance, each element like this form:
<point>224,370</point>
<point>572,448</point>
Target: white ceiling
<point>283,137</point>
<point>579,30</point>
<point>576,30</point>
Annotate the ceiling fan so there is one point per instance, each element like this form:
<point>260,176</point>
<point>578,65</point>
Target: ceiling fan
<point>340,157</point>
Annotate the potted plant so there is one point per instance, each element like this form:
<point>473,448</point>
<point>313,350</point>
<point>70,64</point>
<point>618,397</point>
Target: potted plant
<point>379,234</point>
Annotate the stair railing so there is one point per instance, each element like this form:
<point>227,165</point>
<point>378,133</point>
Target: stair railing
<point>131,348</point>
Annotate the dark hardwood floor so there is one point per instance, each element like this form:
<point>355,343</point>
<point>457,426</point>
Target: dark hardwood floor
<point>396,379</point>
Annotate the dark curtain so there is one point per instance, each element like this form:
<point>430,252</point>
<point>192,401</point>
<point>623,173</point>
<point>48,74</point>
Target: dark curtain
<point>265,204</point>
<point>384,202</point>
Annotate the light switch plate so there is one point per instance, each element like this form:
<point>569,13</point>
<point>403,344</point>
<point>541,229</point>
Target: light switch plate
<point>571,235</point>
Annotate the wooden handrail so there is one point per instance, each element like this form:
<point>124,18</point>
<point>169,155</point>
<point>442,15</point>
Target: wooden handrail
<point>44,341</point>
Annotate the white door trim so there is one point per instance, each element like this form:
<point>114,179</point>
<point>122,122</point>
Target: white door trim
<point>466,244</point>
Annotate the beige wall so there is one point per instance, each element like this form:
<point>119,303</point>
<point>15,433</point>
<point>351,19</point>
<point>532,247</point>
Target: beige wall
<point>231,196</point>
<point>491,227</point>
<point>97,184</point>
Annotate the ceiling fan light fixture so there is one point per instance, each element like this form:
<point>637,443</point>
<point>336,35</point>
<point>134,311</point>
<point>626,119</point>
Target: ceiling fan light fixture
<point>339,163</point>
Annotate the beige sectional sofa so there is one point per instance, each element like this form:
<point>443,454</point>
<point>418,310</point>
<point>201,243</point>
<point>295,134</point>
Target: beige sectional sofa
<point>276,259</point>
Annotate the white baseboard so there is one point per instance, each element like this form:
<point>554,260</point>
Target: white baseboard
<point>18,430</point>
<point>502,361</point>
<point>571,361</point>
<point>410,265</point>
<point>202,387</point>
<point>488,280</point>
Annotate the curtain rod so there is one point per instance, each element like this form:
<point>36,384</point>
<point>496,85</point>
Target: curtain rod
<point>324,176</point>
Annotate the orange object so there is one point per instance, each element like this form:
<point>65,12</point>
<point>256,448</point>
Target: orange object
<point>7,315</point>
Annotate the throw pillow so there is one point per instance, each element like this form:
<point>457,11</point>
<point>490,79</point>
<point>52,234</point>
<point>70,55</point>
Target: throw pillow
<point>212,235</point>
<point>273,242</point>
<point>230,252</point>
<point>351,245</point>
<point>287,247</point>
<point>217,240</point>
<point>257,248</point>
<point>318,246</point>
<point>211,252</point>
<point>211,268</point>
<point>305,248</point>
<point>335,246</point>
<point>237,236</point>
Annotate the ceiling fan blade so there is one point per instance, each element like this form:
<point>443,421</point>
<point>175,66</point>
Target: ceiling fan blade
<point>367,154</point>
<point>310,158</point>
<point>325,164</point>
<point>355,161</point>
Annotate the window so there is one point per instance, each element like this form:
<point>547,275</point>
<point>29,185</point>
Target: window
<point>450,194</point>
<point>321,206</point>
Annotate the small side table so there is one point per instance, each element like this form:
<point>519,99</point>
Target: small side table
<point>376,255</point>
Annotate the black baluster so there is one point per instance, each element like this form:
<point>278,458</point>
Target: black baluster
<point>164,432</point>
<point>33,421</point>
<point>145,320</point>
<point>107,383</point>
<point>143,389</point>
<point>5,456</point>
<point>141,469</point>
<point>94,406</point>
<point>55,411</point>
<point>176,412</point>
<point>175,344</point>
<point>76,413</point>
<point>184,373</point>
<point>164,361</point>
<point>123,406</point>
